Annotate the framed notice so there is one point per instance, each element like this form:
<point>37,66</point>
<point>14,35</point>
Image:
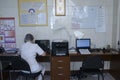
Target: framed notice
<point>33,12</point>
<point>60,7</point>
<point>7,32</point>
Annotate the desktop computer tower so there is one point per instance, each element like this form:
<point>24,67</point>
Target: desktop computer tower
<point>60,48</point>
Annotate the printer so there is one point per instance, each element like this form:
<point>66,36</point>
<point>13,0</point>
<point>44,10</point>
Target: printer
<point>60,48</point>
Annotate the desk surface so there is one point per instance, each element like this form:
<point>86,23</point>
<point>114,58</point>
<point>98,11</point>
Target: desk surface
<point>80,57</point>
<point>71,54</point>
<point>73,57</point>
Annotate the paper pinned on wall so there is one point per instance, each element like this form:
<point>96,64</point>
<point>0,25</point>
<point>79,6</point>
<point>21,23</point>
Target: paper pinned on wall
<point>100,27</point>
<point>88,17</point>
<point>84,16</point>
<point>78,34</point>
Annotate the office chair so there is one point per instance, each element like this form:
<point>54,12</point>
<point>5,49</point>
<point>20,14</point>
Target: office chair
<point>17,65</point>
<point>90,66</point>
<point>22,67</point>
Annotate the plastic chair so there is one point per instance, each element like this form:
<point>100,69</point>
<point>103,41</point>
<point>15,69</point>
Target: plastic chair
<point>22,67</point>
<point>91,65</point>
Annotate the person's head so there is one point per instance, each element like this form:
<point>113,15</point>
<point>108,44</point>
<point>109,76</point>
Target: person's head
<point>29,37</point>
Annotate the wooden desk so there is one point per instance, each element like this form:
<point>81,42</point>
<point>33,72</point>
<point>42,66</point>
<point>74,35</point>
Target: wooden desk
<point>73,57</point>
<point>115,66</point>
<point>113,58</point>
<point>80,57</point>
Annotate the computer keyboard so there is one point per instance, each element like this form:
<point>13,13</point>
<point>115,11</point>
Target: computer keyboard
<point>84,51</point>
<point>11,50</point>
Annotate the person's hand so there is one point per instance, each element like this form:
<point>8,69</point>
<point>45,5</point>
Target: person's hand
<point>44,54</point>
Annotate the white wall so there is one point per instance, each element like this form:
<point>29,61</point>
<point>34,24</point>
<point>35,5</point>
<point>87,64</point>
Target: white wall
<point>115,23</point>
<point>118,26</point>
<point>9,8</point>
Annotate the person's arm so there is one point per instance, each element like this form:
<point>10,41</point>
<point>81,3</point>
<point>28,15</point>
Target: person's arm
<point>40,51</point>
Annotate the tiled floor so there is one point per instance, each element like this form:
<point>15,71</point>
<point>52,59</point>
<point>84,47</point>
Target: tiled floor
<point>107,76</point>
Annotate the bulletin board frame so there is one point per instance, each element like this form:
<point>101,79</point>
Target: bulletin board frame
<point>32,12</point>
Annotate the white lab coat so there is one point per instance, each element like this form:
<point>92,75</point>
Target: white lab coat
<point>28,52</point>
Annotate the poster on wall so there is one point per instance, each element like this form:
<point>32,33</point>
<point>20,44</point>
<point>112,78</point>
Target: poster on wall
<point>7,32</point>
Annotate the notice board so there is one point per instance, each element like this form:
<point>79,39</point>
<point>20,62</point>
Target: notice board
<point>33,12</point>
<point>89,17</point>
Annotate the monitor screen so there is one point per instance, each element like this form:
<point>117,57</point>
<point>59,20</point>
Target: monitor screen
<point>83,43</point>
<point>44,44</point>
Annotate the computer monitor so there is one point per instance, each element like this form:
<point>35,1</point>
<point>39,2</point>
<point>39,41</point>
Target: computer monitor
<point>44,44</point>
<point>83,43</point>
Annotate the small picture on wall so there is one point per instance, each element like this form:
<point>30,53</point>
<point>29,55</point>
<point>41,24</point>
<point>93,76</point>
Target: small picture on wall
<point>60,7</point>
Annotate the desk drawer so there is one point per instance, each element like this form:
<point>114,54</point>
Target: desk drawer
<point>60,60</point>
<point>60,77</point>
<point>60,68</point>
<point>60,63</point>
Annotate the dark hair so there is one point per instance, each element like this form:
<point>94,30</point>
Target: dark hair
<point>28,37</point>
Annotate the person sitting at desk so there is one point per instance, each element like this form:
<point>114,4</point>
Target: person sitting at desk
<point>29,50</point>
